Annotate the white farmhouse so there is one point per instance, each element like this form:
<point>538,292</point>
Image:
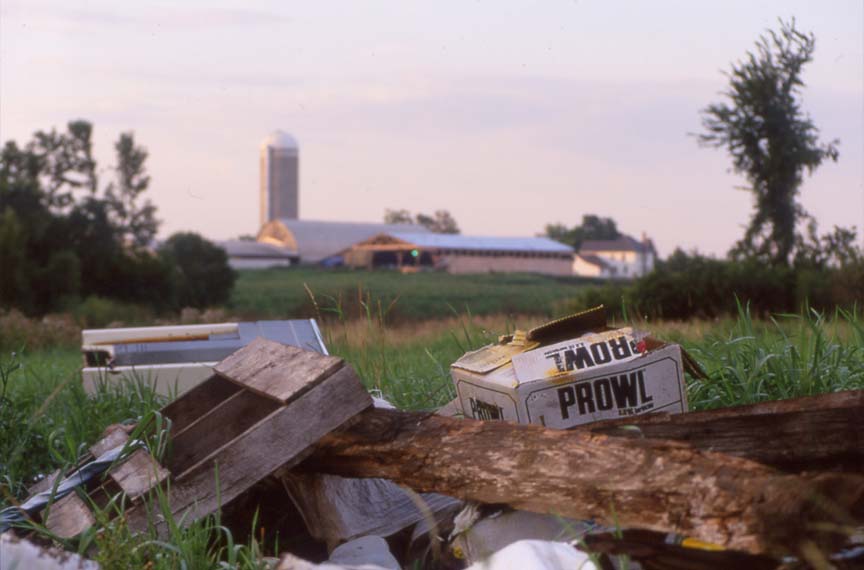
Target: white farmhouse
<point>622,258</point>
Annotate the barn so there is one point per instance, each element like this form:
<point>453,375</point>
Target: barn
<point>415,251</point>
<point>323,241</point>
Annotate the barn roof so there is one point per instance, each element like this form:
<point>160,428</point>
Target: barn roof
<point>430,240</point>
<point>246,248</point>
<point>318,240</point>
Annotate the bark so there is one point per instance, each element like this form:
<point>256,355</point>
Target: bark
<point>642,483</point>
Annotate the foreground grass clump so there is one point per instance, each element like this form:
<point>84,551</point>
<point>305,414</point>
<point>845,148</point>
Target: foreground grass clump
<point>48,420</point>
<point>789,357</point>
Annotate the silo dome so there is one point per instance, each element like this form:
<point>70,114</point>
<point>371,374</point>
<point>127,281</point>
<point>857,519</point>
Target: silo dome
<point>280,140</point>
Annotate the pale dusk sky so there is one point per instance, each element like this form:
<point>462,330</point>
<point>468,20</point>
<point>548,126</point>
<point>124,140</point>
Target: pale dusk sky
<point>511,114</point>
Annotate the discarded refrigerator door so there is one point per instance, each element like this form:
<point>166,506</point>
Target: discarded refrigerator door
<point>174,359</point>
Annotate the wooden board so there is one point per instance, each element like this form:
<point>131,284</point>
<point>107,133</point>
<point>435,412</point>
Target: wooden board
<point>139,473</point>
<point>282,439</point>
<point>114,438</point>
<point>223,423</point>
<point>275,370</point>
<point>44,485</point>
<point>198,401</point>
<point>69,517</point>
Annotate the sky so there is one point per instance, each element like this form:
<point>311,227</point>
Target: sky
<point>510,114</point>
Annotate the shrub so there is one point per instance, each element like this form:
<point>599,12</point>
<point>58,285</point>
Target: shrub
<point>201,272</point>
<point>692,285</point>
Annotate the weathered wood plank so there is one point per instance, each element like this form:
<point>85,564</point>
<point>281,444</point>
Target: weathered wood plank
<point>814,433</point>
<point>281,439</point>
<point>198,401</point>
<point>660,485</point>
<point>276,370</point>
<point>114,438</point>
<point>223,423</point>
<point>43,485</point>
<point>68,517</point>
<point>138,474</point>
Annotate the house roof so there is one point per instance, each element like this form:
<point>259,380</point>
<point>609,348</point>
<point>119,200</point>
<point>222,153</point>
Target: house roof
<point>318,240</point>
<point>622,243</point>
<point>594,260</point>
<point>479,243</point>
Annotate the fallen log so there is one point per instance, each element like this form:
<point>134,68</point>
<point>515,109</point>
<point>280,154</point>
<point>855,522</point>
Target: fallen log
<point>660,485</point>
<point>815,433</point>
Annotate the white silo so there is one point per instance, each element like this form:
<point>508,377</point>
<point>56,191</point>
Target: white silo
<point>279,177</point>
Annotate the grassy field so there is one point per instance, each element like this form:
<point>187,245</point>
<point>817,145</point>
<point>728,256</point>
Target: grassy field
<point>46,420</point>
<point>347,294</point>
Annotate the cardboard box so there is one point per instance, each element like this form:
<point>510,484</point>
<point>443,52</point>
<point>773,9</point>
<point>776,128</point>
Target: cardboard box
<point>570,372</point>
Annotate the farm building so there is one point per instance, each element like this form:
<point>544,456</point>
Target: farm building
<point>622,258</point>
<point>322,242</point>
<point>453,253</point>
<point>246,254</point>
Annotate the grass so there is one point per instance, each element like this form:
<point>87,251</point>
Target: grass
<point>46,420</point>
<point>403,298</point>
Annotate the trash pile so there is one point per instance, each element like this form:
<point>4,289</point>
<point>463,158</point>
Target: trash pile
<point>576,450</point>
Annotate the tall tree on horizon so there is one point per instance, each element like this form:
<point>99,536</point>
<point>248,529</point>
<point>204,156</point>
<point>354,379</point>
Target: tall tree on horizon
<point>771,140</point>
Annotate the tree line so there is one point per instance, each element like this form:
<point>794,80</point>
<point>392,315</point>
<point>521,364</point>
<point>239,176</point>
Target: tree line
<point>66,234</point>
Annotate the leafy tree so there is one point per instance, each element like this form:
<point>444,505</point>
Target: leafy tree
<point>441,222</point>
<point>65,163</point>
<point>135,220</point>
<point>771,140</point>
<point>593,227</point>
<point>398,217</point>
<point>61,237</point>
<point>202,274</point>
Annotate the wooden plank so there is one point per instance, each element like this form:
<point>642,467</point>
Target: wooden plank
<point>282,439</point>
<point>817,433</point>
<point>198,401</point>
<point>113,438</point>
<point>661,485</point>
<point>44,485</point>
<point>68,517</point>
<point>276,370</point>
<point>139,473</point>
<point>223,423</point>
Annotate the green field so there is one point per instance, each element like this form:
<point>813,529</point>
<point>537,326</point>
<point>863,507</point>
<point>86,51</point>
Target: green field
<point>345,293</point>
<point>47,420</point>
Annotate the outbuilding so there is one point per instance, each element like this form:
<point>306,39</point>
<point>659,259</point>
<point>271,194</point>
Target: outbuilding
<point>412,251</point>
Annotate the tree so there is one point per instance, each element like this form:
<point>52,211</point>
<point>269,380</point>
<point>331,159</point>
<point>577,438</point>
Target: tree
<point>441,222</point>
<point>65,163</point>
<point>398,217</point>
<point>203,276</point>
<point>135,221</point>
<point>593,227</point>
<point>60,237</point>
<point>771,140</point>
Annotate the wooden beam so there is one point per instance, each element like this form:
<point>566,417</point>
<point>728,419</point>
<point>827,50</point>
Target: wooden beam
<point>816,433</point>
<point>660,485</point>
